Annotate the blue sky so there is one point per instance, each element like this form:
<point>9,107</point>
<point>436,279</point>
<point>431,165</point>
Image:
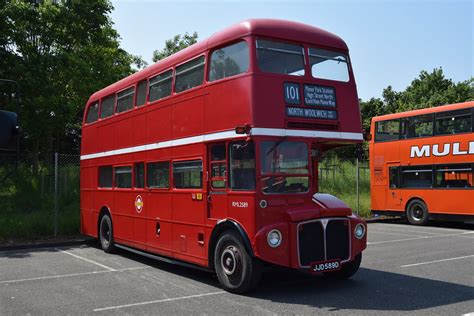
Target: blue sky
<point>390,42</point>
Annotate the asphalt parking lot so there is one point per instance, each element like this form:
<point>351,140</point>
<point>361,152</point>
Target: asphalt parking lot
<point>405,269</point>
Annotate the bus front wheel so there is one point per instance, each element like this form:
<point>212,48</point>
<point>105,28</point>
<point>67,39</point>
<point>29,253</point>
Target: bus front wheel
<point>106,236</point>
<point>417,213</point>
<point>236,270</point>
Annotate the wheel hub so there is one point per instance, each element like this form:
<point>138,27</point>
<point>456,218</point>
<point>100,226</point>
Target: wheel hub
<point>230,260</point>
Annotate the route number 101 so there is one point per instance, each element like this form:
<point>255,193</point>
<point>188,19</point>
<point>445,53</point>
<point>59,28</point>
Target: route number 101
<point>292,93</point>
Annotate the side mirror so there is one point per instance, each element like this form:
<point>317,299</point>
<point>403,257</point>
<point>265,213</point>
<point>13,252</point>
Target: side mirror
<point>9,130</point>
<point>366,134</point>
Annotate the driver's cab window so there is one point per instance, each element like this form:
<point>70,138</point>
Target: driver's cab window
<point>242,166</point>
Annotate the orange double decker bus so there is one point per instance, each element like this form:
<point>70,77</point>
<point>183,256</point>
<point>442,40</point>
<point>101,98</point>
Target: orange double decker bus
<point>209,157</point>
<point>422,164</point>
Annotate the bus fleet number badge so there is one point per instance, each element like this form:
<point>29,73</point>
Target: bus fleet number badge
<point>138,204</point>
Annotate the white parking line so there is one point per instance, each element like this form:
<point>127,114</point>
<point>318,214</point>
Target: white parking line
<point>85,259</point>
<point>392,229</point>
<point>421,229</point>
<point>69,275</point>
<point>395,234</point>
<point>406,239</point>
<point>157,301</point>
<point>435,261</point>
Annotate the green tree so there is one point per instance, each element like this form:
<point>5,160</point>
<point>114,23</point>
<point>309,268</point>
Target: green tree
<point>174,45</point>
<point>59,52</point>
<point>428,90</point>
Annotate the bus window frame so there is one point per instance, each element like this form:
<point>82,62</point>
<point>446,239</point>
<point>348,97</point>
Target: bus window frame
<point>132,175</point>
<point>402,132</point>
<point>387,140</point>
<point>227,44</point>
<point>135,106</point>
<point>170,173</point>
<point>175,75</point>
<point>225,178</point>
<point>203,171</point>
<point>134,179</point>
<point>256,66</point>
<point>88,109</point>
<point>173,72</point>
<point>436,114</point>
<point>134,86</point>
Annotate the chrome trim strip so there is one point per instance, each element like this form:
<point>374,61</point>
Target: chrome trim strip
<point>225,135</point>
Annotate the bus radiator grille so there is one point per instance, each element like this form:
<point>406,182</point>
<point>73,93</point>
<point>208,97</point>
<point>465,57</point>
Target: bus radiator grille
<point>337,239</point>
<point>311,243</point>
<point>318,243</point>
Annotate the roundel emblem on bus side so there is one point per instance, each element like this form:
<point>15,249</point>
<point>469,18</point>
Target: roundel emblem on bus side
<point>138,204</point>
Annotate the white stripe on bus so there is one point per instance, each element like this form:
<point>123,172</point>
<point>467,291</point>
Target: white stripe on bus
<point>225,135</point>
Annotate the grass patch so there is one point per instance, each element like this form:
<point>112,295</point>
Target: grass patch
<point>27,204</point>
<point>339,178</point>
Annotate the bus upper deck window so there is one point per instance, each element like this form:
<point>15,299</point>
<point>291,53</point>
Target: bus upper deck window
<point>92,113</point>
<point>280,57</point>
<point>229,61</point>
<point>329,65</point>
<point>453,122</point>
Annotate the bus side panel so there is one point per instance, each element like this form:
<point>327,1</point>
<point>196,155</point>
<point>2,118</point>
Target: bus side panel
<point>188,222</point>
<point>234,95</point>
<point>188,115</point>
<point>105,137</point>
<point>158,125</point>
<point>442,201</point>
<point>87,194</point>
<point>159,210</point>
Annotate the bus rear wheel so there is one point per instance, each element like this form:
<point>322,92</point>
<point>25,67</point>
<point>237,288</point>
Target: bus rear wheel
<point>106,236</point>
<point>236,270</point>
<point>417,213</point>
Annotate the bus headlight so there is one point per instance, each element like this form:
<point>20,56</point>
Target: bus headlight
<point>359,231</point>
<point>274,238</point>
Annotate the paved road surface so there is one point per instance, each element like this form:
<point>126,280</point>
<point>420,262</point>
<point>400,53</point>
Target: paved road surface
<point>406,269</point>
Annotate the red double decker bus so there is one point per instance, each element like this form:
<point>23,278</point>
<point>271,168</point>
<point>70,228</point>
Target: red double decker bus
<point>209,157</point>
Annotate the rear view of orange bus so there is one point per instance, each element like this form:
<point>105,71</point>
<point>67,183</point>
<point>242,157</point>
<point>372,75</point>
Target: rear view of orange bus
<point>422,164</point>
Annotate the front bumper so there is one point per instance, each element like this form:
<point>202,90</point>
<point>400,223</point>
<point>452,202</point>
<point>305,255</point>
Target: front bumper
<point>311,241</point>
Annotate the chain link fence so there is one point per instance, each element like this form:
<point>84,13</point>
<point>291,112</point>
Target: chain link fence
<point>348,179</point>
<point>41,199</point>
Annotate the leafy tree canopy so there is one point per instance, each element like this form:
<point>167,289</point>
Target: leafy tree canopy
<point>428,90</point>
<point>174,45</point>
<point>60,52</point>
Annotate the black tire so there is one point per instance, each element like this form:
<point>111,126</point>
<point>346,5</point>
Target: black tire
<point>347,270</point>
<point>106,234</point>
<point>236,270</point>
<point>417,213</point>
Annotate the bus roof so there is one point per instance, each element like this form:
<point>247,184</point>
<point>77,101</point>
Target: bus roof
<point>441,108</point>
<point>282,29</point>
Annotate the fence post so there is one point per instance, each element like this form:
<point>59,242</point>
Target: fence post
<point>357,185</point>
<point>56,194</point>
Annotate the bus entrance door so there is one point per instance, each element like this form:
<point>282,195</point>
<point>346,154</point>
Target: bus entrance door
<point>217,175</point>
<point>394,198</point>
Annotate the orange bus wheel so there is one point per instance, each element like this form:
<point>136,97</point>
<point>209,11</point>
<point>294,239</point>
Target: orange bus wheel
<point>106,236</point>
<point>417,212</point>
<point>236,270</point>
